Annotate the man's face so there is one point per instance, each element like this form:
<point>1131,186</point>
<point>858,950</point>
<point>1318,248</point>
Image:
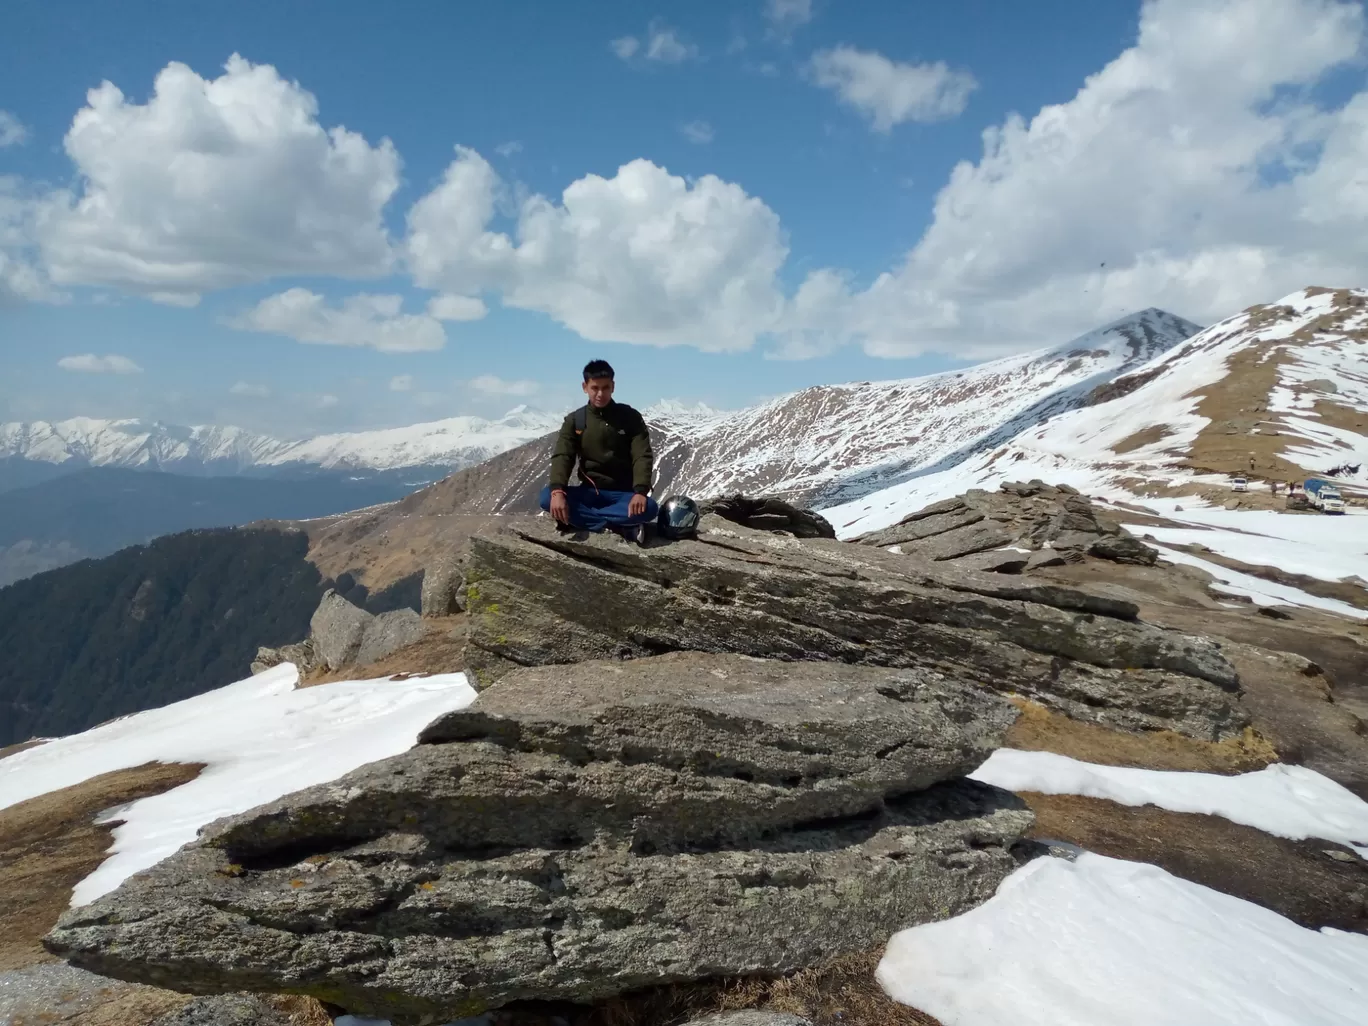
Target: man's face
<point>599,391</point>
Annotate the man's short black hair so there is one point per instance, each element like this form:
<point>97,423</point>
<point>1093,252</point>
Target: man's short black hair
<point>598,369</point>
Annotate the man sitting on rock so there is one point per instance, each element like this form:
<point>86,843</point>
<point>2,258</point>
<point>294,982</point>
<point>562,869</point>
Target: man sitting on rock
<point>613,447</point>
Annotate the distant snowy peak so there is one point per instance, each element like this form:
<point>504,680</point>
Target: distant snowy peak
<point>133,443</point>
<point>456,441</point>
<point>831,442</point>
<point>148,445</point>
<point>676,416</point>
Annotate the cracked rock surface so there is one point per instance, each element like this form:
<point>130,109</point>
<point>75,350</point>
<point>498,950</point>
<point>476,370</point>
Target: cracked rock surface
<point>537,598</point>
<point>587,830</point>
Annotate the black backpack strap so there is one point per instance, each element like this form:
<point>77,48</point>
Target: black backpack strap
<point>581,420</point>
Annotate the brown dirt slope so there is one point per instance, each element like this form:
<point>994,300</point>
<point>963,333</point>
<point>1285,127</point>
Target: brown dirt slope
<point>50,843</point>
<point>1237,405</point>
<point>382,545</point>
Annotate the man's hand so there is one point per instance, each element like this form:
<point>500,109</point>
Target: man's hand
<point>636,507</point>
<point>560,509</point>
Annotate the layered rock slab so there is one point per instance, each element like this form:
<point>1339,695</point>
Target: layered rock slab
<point>536,597</point>
<point>1031,515</point>
<point>693,816</point>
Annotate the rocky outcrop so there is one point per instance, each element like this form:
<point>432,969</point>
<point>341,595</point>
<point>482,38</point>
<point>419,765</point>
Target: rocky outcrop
<point>443,587</point>
<point>342,634</point>
<point>301,653</point>
<point>588,830</point>
<point>539,598</point>
<point>771,514</point>
<point>225,1010</point>
<point>750,1017</point>
<point>1021,517</point>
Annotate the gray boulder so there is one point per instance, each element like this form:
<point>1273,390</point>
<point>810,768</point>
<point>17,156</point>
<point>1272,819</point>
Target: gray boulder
<point>388,633</point>
<point>336,630</point>
<point>342,634</point>
<point>584,831</point>
<point>538,598</point>
<point>1124,548</point>
<point>443,587</point>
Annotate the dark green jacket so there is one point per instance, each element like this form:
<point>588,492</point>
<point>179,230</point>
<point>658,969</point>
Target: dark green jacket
<point>614,452</point>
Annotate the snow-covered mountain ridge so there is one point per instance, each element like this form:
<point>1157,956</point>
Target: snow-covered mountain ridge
<point>1278,391</point>
<point>834,442</point>
<point>148,445</point>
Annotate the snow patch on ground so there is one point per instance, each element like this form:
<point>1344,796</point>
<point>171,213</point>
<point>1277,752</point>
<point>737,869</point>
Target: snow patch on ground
<point>1259,591</point>
<point>1288,801</point>
<point>1101,940</point>
<point>260,738</point>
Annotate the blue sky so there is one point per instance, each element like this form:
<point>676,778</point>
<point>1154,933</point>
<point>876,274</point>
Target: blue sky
<point>788,210</point>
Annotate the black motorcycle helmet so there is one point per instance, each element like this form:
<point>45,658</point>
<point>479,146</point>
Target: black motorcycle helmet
<point>678,517</point>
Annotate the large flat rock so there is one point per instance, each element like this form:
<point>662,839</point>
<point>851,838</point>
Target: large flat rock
<point>584,831</point>
<point>400,929</point>
<point>538,598</point>
<point>668,751</point>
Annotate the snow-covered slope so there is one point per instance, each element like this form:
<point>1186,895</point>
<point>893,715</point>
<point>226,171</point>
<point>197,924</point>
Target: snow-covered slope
<point>1283,385</point>
<point>453,443</point>
<point>259,739</point>
<point>831,442</point>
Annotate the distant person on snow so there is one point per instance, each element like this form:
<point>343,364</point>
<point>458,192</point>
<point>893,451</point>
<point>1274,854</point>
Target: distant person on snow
<point>613,448</point>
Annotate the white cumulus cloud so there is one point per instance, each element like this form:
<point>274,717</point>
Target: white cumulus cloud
<point>661,45</point>
<point>491,384</point>
<point>401,383</point>
<point>699,132</point>
<point>216,182</point>
<point>644,256</point>
<point>89,363</point>
<point>249,390</point>
<point>889,92</point>
<point>1195,172</point>
<point>22,278</point>
<point>12,131</point>
<point>376,321</point>
<point>785,16</point>
<point>625,47</point>
<point>457,308</point>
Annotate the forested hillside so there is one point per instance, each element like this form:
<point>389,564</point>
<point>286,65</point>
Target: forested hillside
<point>149,625</point>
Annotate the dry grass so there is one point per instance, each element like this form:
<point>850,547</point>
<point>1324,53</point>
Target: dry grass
<point>1039,730</point>
<point>1142,438</point>
<point>50,843</point>
<point>301,1011</point>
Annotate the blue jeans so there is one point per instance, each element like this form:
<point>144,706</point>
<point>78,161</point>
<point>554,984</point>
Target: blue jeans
<point>592,509</point>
